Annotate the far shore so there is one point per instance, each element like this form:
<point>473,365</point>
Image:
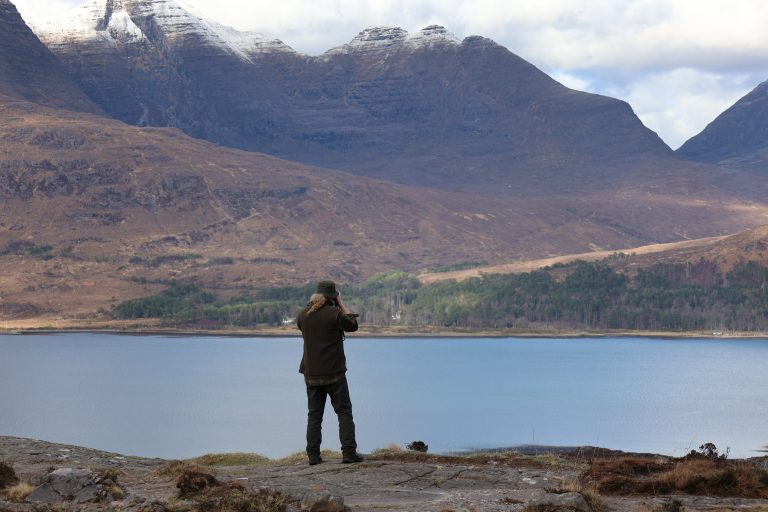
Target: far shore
<point>154,329</point>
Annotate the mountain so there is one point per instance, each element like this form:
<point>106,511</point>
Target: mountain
<point>423,109</point>
<point>29,71</point>
<point>94,210</point>
<point>153,63</point>
<point>737,137</point>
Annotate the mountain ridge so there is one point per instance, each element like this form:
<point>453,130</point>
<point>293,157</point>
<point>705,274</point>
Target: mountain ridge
<point>738,136</point>
<point>421,109</point>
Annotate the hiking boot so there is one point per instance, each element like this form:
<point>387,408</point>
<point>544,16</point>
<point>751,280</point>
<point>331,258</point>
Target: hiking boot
<point>315,460</point>
<point>352,458</point>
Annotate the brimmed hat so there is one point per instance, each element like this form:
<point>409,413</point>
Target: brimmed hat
<point>327,288</point>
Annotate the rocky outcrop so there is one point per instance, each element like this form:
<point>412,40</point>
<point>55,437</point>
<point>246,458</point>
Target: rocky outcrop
<point>564,502</point>
<point>77,486</point>
<point>322,501</point>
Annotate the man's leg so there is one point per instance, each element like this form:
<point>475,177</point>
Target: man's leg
<point>316,405</point>
<point>342,404</point>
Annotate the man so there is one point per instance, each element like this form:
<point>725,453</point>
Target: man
<point>323,324</point>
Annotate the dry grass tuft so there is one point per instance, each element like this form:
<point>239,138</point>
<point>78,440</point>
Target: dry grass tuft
<point>117,492</point>
<point>696,476</point>
<point>588,490</point>
<point>621,475</point>
<point>7,475</point>
<point>234,498</point>
<point>301,457</point>
<point>110,474</point>
<point>230,459</point>
<point>506,458</point>
<point>387,450</point>
<point>19,492</point>
<point>172,468</point>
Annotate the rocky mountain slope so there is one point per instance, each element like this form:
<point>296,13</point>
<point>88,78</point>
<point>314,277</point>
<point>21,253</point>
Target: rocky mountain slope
<point>29,71</point>
<point>737,137</point>
<point>423,109</point>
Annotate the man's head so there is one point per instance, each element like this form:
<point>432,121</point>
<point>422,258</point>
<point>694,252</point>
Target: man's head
<point>327,289</point>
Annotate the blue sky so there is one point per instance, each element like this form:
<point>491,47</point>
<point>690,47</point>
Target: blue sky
<point>679,63</point>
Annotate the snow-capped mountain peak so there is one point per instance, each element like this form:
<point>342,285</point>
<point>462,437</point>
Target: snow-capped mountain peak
<point>117,22</point>
<point>377,39</point>
<point>433,35</point>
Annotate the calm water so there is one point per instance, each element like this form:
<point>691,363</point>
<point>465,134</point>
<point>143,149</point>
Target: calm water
<point>180,397</point>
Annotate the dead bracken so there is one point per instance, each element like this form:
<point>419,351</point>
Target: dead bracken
<point>705,473</point>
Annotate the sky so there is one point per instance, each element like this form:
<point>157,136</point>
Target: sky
<point>679,63</point>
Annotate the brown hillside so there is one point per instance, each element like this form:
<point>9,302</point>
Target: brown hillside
<point>94,211</point>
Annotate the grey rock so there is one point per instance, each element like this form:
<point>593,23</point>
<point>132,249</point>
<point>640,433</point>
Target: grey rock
<point>322,501</point>
<point>566,502</point>
<point>89,494</point>
<point>69,482</point>
<point>44,494</point>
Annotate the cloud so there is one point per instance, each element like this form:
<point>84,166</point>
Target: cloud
<point>678,62</point>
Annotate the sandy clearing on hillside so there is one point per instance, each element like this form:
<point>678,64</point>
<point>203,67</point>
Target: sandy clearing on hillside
<point>528,266</point>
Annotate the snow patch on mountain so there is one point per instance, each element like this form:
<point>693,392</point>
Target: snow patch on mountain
<point>116,22</point>
<point>377,39</point>
<point>122,28</point>
<point>86,23</point>
<point>431,36</point>
<point>248,44</point>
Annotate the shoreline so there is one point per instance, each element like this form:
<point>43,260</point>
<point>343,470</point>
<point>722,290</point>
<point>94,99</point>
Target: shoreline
<point>292,332</point>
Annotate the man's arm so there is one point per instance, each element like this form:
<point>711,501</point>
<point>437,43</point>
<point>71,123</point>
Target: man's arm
<point>347,320</point>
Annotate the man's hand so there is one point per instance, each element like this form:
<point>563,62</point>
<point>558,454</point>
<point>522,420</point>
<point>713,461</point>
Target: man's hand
<point>341,304</point>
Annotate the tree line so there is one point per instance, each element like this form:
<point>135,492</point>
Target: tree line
<point>580,295</point>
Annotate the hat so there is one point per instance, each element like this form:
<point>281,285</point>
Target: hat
<point>327,288</point>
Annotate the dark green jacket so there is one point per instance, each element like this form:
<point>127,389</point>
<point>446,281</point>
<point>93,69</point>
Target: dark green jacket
<point>323,333</point>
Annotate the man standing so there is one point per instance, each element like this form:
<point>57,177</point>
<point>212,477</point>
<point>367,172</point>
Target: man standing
<point>323,324</point>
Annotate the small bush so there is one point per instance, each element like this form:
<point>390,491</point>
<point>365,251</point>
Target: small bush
<point>221,261</point>
<point>19,492</point>
<point>38,250</point>
<point>418,446</point>
<point>194,480</point>
<point>7,475</point>
<point>210,495</point>
<point>707,451</point>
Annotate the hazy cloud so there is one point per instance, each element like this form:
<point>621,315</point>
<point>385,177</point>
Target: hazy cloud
<point>678,62</point>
